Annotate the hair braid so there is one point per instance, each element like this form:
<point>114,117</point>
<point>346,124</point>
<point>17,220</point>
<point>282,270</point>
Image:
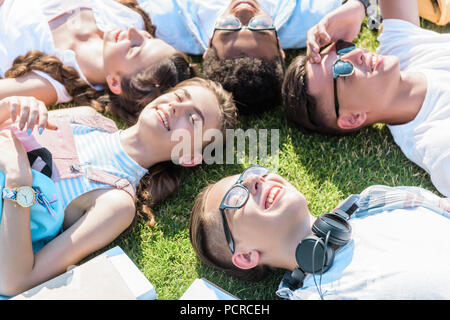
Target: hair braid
<point>79,89</point>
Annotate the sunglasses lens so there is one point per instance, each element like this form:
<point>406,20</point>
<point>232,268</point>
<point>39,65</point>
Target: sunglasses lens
<point>260,23</point>
<point>228,22</point>
<point>236,197</point>
<point>343,47</point>
<point>342,68</point>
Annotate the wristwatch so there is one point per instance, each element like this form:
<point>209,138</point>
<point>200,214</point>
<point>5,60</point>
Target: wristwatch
<point>24,196</point>
<point>374,19</point>
<point>371,8</point>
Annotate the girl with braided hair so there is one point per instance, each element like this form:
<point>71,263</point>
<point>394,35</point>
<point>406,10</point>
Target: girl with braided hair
<point>98,53</point>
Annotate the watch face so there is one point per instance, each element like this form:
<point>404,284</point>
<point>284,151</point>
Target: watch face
<point>25,196</point>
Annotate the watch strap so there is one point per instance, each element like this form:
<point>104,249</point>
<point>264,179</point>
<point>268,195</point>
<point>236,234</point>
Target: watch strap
<point>9,194</point>
<point>366,3</point>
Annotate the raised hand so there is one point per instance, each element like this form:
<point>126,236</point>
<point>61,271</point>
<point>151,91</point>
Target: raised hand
<point>343,23</point>
<point>28,111</point>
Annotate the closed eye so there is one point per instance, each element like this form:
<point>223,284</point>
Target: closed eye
<point>178,96</point>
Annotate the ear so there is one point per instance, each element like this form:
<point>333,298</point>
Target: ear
<point>246,260</point>
<point>283,55</point>
<point>352,120</point>
<point>191,161</point>
<point>114,84</point>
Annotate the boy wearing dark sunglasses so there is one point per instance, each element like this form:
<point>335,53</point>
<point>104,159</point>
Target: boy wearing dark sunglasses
<point>338,88</point>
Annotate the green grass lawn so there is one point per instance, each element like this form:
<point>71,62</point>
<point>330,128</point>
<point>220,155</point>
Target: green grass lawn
<point>324,169</point>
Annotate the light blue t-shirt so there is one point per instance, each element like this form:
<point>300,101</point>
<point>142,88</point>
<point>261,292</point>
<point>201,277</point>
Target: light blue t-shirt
<point>395,253</point>
<point>188,25</point>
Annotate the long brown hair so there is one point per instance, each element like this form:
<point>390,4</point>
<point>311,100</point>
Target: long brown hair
<point>164,178</point>
<point>138,89</point>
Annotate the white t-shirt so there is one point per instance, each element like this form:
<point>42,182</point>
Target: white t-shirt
<point>394,254</point>
<point>426,139</point>
<point>24,27</point>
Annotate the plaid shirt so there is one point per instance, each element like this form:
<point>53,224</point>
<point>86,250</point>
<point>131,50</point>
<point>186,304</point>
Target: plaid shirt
<point>380,198</point>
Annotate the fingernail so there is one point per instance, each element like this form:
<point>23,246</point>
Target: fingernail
<point>41,130</point>
<point>29,131</point>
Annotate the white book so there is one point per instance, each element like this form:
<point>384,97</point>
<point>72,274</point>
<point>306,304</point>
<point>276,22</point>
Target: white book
<point>109,276</point>
<point>202,289</point>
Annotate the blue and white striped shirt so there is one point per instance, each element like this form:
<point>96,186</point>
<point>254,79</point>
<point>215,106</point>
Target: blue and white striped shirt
<point>101,150</point>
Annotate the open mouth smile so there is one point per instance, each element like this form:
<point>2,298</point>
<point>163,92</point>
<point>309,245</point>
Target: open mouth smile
<point>272,196</point>
<point>163,118</point>
<point>116,37</point>
<point>375,61</point>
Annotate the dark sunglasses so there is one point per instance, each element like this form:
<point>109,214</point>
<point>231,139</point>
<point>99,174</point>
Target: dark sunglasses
<point>236,197</point>
<point>341,68</point>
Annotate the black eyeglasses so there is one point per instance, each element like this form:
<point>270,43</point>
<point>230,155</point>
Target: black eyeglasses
<point>341,68</point>
<point>236,197</point>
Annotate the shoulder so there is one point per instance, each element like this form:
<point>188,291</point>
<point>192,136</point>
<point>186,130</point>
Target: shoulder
<point>115,203</point>
<point>117,198</point>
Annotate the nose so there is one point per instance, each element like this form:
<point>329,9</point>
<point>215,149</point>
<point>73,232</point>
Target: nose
<point>244,15</point>
<point>254,184</point>
<point>355,56</point>
<point>135,36</point>
<point>178,109</point>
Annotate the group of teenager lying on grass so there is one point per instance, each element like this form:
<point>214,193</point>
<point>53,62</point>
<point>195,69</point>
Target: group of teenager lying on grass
<point>72,181</point>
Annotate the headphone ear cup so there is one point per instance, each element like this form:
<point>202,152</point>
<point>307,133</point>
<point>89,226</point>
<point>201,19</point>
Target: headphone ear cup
<point>323,257</point>
<point>340,230</point>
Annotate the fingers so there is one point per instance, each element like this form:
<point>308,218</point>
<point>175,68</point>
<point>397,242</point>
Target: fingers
<point>24,113</point>
<point>30,112</point>
<point>42,117</point>
<point>14,108</point>
<point>323,35</point>
<point>50,126</point>
<point>317,37</point>
<point>33,115</point>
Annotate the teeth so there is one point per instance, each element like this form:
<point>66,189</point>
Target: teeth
<point>163,117</point>
<point>272,194</point>
<point>374,61</point>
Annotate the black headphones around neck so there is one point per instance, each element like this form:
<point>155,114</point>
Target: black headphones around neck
<point>315,253</point>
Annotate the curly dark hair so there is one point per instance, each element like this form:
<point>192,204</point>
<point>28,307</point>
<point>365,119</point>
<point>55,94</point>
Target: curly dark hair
<point>254,82</point>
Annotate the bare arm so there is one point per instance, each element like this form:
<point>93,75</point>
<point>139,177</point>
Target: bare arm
<point>345,22</point>
<point>30,85</point>
<point>400,9</point>
<point>112,213</point>
<point>15,222</point>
